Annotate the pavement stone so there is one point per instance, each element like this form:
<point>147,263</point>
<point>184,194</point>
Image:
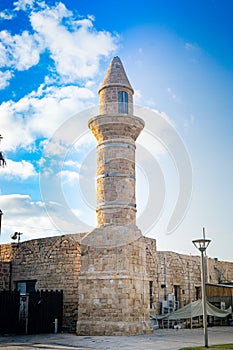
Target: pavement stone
<point>161,339</point>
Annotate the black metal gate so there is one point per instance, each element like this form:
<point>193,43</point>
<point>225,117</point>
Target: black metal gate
<point>36,312</point>
<point>45,311</point>
<point>9,311</point>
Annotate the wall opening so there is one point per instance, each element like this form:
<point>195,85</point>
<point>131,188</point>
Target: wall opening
<point>197,293</point>
<point>151,293</point>
<point>122,102</point>
<point>25,286</point>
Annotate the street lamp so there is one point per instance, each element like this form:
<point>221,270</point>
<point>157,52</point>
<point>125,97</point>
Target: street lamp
<point>2,160</point>
<point>201,245</point>
<point>16,235</point>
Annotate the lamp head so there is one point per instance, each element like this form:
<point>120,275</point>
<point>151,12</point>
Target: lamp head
<point>201,244</point>
<point>15,235</point>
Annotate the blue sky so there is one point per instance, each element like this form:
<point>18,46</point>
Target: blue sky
<point>178,56</point>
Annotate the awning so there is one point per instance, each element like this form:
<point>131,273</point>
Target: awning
<point>195,309</point>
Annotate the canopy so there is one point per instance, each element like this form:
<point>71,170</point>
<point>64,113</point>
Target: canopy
<point>195,309</point>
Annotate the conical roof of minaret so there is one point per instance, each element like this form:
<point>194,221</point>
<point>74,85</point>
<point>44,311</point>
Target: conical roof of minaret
<point>116,75</point>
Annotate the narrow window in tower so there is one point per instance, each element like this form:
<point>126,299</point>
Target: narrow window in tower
<point>122,102</point>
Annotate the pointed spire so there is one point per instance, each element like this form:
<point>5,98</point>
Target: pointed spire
<point>116,75</point>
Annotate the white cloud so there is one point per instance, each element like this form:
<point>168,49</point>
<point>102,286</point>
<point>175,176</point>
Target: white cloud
<point>67,176</point>
<point>76,54</point>
<point>23,4</point>
<point>137,97</point>
<point>74,44</point>
<point>89,83</point>
<point>22,170</point>
<point>13,136</point>
<point>54,148</point>
<point>3,55</point>
<point>20,51</point>
<point>17,204</point>
<point>22,214</point>
<point>84,142</point>
<point>40,113</point>
<point>4,79</point>
<point>6,15</point>
<point>72,164</point>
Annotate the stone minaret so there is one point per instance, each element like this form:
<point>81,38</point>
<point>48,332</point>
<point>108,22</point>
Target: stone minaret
<point>116,130</point>
<point>113,284</point>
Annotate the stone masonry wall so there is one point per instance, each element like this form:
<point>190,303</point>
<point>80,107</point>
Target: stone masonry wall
<point>55,265</point>
<point>116,135</point>
<point>108,100</point>
<point>114,290</point>
<point>219,271</point>
<point>6,254</point>
<point>4,275</point>
<point>183,273</point>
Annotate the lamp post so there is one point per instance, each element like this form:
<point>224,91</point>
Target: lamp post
<point>16,235</point>
<point>201,245</point>
<point>1,214</point>
<point>2,160</point>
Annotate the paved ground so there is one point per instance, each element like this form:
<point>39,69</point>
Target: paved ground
<point>161,339</point>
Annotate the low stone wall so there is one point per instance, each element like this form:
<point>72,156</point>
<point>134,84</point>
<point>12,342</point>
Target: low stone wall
<point>4,275</point>
<point>55,265</point>
<point>6,253</point>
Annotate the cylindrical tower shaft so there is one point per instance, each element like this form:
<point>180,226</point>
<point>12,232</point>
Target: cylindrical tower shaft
<point>116,130</point>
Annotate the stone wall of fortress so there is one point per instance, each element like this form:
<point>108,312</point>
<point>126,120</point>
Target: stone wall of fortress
<point>55,264</point>
<point>181,274</point>
<point>6,253</point>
